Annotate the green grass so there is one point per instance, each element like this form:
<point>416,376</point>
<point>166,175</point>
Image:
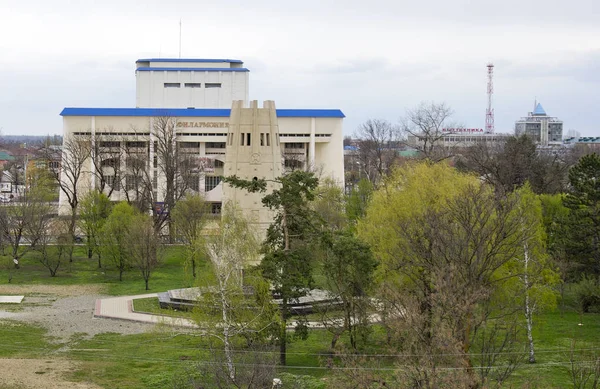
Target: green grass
<point>155,360</point>
<point>554,336</point>
<point>170,274</point>
<point>20,340</point>
<point>151,305</point>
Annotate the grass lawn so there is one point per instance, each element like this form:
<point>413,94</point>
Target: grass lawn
<point>554,336</point>
<point>20,340</point>
<point>170,274</point>
<point>156,360</point>
<point>151,305</point>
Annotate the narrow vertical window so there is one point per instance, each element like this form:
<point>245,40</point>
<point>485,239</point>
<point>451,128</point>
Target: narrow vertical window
<point>248,139</point>
<point>262,139</point>
<point>241,138</point>
<point>268,139</point>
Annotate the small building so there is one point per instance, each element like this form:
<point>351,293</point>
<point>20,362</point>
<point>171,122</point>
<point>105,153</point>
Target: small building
<point>543,129</point>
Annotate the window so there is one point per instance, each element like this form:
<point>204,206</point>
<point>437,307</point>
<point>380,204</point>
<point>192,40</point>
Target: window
<point>172,85</point>
<point>293,164</point>
<point>135,144</point>
<point>262,139</point>
<point>155,162</point>
<point>218,164</point>
<point>110,144</point>
<point>155,180</point>
<point>211,182</point>
<point>130,182</point>
<point>268,139</point>
<point>113,182</point>
<point>241,138</point>
<point>215,145</point>
<point>212,85</point>
<point>215,208</point>
<point>189,145</point>
<point>110,162</point>
<point>248,139</point>
<point>193,85</point>
<point>194,182</point>
<point>53,164</point>
<point>294,145</point>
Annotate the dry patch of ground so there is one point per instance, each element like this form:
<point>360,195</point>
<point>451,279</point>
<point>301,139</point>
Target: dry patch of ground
<point>39,373</point>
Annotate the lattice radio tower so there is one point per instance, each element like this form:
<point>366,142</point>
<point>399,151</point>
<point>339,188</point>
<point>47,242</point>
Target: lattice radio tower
<point>489,113</point>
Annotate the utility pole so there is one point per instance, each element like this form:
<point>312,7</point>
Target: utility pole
<point>489,113</point>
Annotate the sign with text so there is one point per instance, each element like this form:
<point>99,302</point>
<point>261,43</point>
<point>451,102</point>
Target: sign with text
<point>202,125</point>
<point>462,130</point>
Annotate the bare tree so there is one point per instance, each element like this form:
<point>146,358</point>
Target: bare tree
<point>178,169</point>
<point>67,167</point>
<point>159,172</point>
<point>378,142</point>
<point>424,127</point>
<point>509,164</point>
<point>106,156</point>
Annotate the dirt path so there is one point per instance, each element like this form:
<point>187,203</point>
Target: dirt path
<point>39,373</point>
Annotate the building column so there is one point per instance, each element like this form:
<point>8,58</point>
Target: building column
<point>93,154</point>
<point>311,145</point>
<point>202,155</point>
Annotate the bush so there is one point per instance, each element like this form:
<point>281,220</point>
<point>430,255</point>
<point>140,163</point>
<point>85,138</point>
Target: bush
<point>588,294</point>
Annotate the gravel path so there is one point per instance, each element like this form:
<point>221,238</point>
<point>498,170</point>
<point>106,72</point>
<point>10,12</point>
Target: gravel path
<point>65,311</point>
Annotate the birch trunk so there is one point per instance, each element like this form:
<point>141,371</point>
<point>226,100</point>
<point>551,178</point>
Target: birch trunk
<point>528,309</point>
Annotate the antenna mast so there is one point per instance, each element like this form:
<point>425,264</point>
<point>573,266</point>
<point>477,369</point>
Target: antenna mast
<point>489,113</point>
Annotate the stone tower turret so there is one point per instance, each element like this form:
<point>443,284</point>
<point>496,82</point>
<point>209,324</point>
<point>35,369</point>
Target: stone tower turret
<point>252,152</point>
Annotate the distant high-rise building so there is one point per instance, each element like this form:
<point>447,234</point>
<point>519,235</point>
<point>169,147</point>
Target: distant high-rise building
<point>543,129</point>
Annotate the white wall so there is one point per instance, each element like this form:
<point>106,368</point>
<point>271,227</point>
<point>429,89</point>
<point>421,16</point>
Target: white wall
<point>151,91</point>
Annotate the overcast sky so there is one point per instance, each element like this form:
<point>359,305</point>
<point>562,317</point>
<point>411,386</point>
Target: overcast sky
<point>371,59</point>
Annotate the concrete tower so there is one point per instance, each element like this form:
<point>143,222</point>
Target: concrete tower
<point>252,152</point>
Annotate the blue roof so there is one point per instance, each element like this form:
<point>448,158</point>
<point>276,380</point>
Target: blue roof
<point>159,69</point>
<point>195,112</point>
<point>205,60</point>
<point>539,110</point>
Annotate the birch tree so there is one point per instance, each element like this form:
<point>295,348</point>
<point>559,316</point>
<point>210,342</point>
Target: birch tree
<point>236,306</point>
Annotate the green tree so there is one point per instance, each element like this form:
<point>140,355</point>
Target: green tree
<point>358,201</point>
<point>583,201</point>
<point>445,254</point>
<point>189,218</point>
<point>287,261</point>
<point>94,209</point>
<point>114,236</point>
<point>349,269</point>
<point>534,289</point>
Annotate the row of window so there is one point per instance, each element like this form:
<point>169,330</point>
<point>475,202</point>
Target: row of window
<point>192,85</point>
<point>132,182</point>
<point>196,145</point>
<point>246,139</point>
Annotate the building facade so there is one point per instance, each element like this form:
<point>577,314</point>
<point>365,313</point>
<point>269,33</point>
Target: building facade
<point>543,129</point>
<point>196,97</point>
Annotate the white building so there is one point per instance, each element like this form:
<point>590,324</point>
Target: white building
<point>543,129</point>
<point>197,95</point>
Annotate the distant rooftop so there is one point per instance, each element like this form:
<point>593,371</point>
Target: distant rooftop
<point>206,60</point>
<point>194,112</point>
<point>539,110</point>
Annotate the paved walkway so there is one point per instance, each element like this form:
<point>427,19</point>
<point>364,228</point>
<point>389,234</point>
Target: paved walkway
<point>121,308</point>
